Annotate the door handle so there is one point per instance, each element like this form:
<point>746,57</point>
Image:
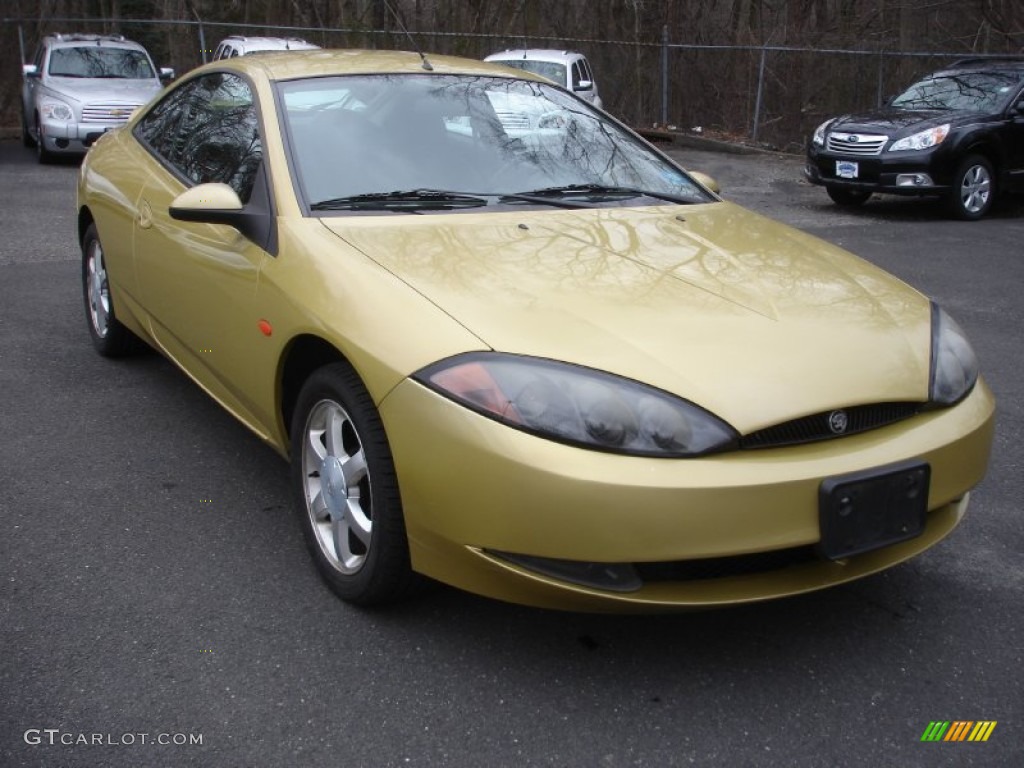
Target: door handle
<point>145,215</point>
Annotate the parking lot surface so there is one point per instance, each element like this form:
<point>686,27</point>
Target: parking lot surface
<point>154,581</point>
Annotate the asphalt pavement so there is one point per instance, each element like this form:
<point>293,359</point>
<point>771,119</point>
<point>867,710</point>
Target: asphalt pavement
<point>158,607</point>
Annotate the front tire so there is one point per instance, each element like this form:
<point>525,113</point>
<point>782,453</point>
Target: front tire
<point>43,155</point>
<point>974,191</point>
<point>346,490</point>
<point>26,137</point>
<point>110,338</point>
<point>848,198</point>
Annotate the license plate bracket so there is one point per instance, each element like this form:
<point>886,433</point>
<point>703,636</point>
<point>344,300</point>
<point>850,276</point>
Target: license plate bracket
<point>847,169</point>
<point>867,510</point>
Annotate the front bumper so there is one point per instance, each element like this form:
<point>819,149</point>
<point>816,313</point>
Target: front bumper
<point>73,138</point>
<point>473,488</point>
<point>882,173</point>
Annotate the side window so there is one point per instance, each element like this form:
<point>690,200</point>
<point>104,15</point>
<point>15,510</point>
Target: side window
<point>577,75</point>
<point>234,52</point>
<point>587,74</point>
<point>162,125</point>
<point>219,53</point>
<point>207,130</point>
<point>38,61</point>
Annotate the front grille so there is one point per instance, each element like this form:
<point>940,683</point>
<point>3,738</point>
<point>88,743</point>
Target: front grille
<point>514,120</point>
<point>828,424</point>
<point>108,113</point>
<point>862,144</point>
<point>723,567</point>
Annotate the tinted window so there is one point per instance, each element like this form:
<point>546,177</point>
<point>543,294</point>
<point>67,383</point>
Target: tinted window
<point>975,91</point>
<point>207,130</point>
<point>159,128</point>
<point>577,75</point>
<point>97,61</point>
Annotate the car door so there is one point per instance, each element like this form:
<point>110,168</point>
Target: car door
<point>198,282</point>
<point>29,88</point>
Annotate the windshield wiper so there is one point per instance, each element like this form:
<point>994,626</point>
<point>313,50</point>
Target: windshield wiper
<point>432,199</point>
<point>409,200</point>
<point>601,190</point>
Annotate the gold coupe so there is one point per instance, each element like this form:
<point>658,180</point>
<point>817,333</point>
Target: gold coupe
<point>508,345</point>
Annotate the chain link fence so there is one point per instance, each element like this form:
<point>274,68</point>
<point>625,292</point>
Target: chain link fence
<point>768,96</point>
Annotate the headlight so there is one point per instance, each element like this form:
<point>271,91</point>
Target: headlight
<point>577,405</point>
<point>954,364</point>
<point>922,140</point>
<point>57,110</point>
<point>819,133</point>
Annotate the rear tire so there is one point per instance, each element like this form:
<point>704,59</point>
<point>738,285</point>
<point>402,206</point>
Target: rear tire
<point>848,198</point>
<point>346,490</point>
<point>110,338</point>
<point>974,190</point>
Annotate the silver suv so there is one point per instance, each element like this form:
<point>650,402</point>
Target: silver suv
<point>569,69</point>
<point>80,86</point>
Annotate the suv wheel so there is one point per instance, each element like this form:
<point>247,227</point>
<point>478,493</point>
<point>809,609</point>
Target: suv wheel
<point>848,198</point>
<point>42,153</point>
<point>973,191</point>
<point>26,136</point>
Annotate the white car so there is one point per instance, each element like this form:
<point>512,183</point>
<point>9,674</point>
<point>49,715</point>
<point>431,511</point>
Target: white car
<point>80,86</point>
<point>568,69</point>
<point>239,45</point>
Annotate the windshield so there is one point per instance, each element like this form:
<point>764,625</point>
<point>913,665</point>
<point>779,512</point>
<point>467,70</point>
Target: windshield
<point>552,70</point>
<point>970,91</point>
<point>483,136</point>
<point>97,61</point>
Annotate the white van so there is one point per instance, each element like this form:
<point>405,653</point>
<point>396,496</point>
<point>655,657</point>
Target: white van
<point>567,68</point>
<point>238,45</point>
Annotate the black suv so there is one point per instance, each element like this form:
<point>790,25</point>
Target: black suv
<point>957,133</point>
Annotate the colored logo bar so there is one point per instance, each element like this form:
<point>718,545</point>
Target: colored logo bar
<point>958,730</point>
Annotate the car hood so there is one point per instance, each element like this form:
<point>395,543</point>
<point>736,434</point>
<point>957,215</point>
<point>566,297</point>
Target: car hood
<point>897,122</point>
<point>755,321</point>
<point>90,89</point>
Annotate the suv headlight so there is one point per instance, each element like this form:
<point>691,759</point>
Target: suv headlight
<point>922,139</point>
<point>56,110</point>
<point>577,405</point>
<point>954,369</point>
<point>819,133</point>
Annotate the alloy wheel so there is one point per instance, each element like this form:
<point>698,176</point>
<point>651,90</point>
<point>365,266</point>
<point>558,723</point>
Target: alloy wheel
<point>98,289</point>
<point>337,487</point>
<point>975,189</point>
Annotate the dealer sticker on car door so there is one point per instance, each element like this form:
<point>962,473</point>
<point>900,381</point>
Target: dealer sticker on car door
<point>846,169</point>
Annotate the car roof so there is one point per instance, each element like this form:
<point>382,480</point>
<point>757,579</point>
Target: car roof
<point>1002,64</point>
<point>536,54</point>
<point>77,40</point>
<point>327,62</point>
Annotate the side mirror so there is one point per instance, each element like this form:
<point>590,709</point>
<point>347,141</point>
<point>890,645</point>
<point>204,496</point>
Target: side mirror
<point>29,70</point>
<point>704,180</point>
<point>583,85</point>
<point>1019,109</point>
<point>212,203</point>
<point>166,74</point>
<point>217,203</point>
